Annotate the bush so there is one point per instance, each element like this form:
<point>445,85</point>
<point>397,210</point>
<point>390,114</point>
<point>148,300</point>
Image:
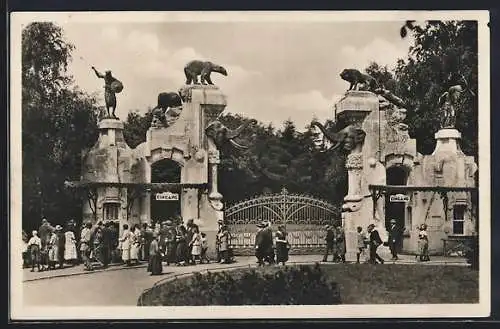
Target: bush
<point>304,285</point>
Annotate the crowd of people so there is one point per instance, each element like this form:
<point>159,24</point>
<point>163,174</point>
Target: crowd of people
<point>51,247</point>
<point>173,242</point>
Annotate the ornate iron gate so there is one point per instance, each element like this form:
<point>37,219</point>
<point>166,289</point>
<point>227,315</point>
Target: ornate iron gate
<point>304,219</point>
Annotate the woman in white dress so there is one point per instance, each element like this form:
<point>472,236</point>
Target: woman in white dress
<point>125,245</point>
<point>135,245</point>
<point>70,254</point>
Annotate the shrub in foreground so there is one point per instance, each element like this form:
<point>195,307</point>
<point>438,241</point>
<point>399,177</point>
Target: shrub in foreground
<point>304,285</point>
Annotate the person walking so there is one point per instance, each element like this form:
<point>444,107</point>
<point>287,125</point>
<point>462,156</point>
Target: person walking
<point>224,244</point>
<point>375,242</point>
<point>341,244</point>
<point>395,234</point>
<point>182,246</point>
<point>195,245</point>
<point>260,244</point>
<point>204,249</point>
<point>135,245</point>
<point>61,243</point>
<point>53,252</point>
<point>34,247</point>
<point>329,243</point>
<point>125,245</point>
<point>361,244</point>
<point>155,256</point>
<point>281,245</point>
<point>70,253</point>
<point>85,249</point>
<point>423,244</point>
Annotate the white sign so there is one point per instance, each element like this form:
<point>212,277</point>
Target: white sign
<point>399,198</point>
<point>167,196</point>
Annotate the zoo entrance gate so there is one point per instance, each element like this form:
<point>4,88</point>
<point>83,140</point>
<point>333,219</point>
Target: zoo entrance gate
<point>303,217</point>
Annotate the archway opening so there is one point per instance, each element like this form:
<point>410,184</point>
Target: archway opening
<point>395,209</point>
<point>165,204</point>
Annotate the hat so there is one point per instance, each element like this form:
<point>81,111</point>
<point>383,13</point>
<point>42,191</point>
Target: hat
<point>260,225</point>
<point>44,220</point>
<point>327,226</point>
<point>220,221</point>
<point>34,232</point>
<point>168,222</point>
<point>393,221</point>
<point>58,227</point>
<point>371,226</point>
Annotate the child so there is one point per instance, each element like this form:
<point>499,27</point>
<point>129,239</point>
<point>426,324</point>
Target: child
<point>195,245</point>
<point>361,243</point>
<point>204,248</point>
<point>34,246</point>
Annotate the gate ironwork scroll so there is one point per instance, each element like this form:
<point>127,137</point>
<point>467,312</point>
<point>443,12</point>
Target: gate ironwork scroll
<point>303,217</point>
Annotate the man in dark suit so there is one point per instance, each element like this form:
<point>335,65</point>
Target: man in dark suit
<point>260,245</point>
<point>375,242</point>
<point>106,244</point>
<point>329,242</point>
<point>395,233</point>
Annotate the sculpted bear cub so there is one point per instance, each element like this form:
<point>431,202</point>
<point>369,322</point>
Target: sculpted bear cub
<point>203,69</point>
<point>355,77</point>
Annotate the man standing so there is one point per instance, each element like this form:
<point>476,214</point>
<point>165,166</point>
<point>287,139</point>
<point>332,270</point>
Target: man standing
<point>85,238</point>
<point>106,245</point>
<point>395,233</point>
<point>329,242</point>
<point>260,244</point>
<point>268,236</point>
<point>375,242</point>
<point>340,241</point>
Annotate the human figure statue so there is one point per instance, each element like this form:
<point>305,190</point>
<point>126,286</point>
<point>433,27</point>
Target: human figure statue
<point>111,87</point>
<point>448,102</point>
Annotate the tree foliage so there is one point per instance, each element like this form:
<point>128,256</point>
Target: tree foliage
<point>58,122</point>
<point>443,54</point>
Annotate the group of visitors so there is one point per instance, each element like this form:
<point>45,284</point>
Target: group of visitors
<point>50,246</point>
<point>269,250</point>
<point>373,241</point>
<point>335,243</point>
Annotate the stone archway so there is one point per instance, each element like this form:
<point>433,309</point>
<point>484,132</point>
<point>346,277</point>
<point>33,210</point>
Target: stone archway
<point>165,204</point>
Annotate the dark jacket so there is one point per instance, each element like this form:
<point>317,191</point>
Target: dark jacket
<point>395,233</point>
<point>375,239</point>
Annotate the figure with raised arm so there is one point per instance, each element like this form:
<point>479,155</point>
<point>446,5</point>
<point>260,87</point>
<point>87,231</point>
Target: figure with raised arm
<point>112,86</point>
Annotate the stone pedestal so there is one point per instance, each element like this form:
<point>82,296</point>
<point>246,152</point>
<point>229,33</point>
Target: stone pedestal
<point>447,141</point>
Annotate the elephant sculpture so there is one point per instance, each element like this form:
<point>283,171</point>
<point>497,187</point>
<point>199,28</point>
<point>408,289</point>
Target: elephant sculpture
<point>221,135</point>
<point>349,138</point>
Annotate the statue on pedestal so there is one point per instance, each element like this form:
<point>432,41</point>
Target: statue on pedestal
<point>203,69</point>
<point>449,102</point>
<point>358,80</point>
<point>112,86</point>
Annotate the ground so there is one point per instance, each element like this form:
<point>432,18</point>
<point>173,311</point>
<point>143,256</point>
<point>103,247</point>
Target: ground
<point>122,287</point>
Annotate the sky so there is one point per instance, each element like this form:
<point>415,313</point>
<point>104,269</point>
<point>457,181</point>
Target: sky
<point>276,70</point>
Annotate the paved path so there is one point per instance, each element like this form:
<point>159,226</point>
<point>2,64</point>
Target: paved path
<point>121,286</point>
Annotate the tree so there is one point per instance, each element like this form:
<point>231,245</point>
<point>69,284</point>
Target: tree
<point>136,127</point>
<point>58,122</point>
<point>443,54</point>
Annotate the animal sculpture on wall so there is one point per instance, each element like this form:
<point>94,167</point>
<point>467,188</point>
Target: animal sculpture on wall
<point>203,69</point>
<point>167,110</point>
<point>358,80</point>
<point>221,135</point>
<point>349,138</point>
